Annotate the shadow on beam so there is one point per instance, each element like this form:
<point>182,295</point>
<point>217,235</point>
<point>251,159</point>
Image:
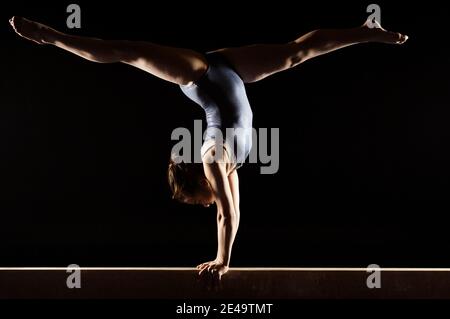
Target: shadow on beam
<point>239,283</point>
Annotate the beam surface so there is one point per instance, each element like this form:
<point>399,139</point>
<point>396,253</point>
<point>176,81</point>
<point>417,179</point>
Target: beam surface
<point>239,283</point>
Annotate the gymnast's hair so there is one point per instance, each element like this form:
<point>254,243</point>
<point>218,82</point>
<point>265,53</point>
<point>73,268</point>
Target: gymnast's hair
<point>186,179</point>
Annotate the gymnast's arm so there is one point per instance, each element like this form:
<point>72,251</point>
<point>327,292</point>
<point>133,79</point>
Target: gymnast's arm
<point>227,215</point>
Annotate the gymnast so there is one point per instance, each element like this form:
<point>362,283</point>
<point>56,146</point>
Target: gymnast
<point>216,81</point>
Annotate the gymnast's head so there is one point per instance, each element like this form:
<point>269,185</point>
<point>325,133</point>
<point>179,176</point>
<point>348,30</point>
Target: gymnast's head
<point>189,184</point>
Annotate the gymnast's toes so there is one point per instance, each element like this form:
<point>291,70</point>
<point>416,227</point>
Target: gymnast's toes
<point>27,29</point>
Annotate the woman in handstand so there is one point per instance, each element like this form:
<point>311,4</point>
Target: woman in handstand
<point>216,81</point>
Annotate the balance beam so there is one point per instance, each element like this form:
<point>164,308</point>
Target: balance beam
<point>238,283</point>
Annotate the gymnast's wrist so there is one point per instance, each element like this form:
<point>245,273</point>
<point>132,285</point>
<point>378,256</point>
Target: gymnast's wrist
<point>223,260</point>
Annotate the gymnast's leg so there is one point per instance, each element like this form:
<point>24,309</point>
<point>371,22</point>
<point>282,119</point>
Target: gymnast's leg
<point>256,62</point>
<point>179,66</point>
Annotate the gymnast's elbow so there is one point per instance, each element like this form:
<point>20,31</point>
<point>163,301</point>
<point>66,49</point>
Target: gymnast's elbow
<point>227,215</point>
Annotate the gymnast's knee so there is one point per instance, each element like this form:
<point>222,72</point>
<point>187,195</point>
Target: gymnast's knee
<point>299,54</point>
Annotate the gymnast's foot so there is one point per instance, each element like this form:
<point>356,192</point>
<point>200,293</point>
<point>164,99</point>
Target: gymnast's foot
<point>33,31</point>
<point>378,34</point>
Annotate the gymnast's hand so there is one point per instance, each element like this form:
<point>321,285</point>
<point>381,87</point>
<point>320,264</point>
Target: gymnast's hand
<point>214,268</point>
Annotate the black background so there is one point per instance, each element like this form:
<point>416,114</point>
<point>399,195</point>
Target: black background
<point>364,158</point>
